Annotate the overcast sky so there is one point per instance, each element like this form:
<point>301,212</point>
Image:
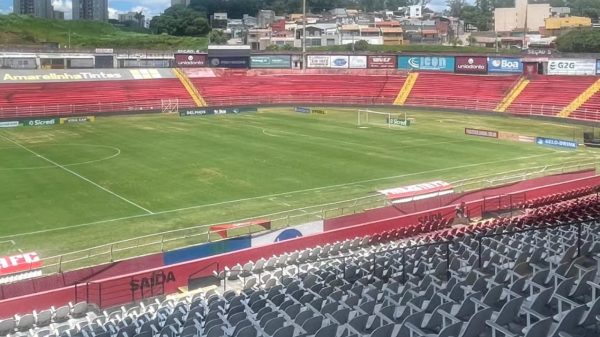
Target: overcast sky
<point>149,7</point>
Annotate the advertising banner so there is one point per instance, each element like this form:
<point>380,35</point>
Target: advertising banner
<point>571,67</point>
<point>338,61</point>
<point>19,263</point>
<point>505,65</point>
<point>358,62</point>
<point>40,122</point>
<point>288,233</point>
<point>229,62</point>
<point>223,230</point>
<point>418,191</point>
<point>214,111</point>
<point>399,121</point>
<point>77,120</point>
<point>72,75</point>
<point>317,61</point>
<point>565,144</point>
<point>302,109</point>
<point>471,65</point>
<point>481,133</point>
<point>598,67</point>
<point>382,62</point>
<point>271,61</point>
<point>191,60</point>
<point>428,63</point>
<point>10,124</point>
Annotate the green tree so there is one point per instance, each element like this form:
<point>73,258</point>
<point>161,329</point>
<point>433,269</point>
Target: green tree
<point>180,20</point>
<point>455,7</point>
<point>579,41</point>
<point>361,45</point>
<point>217,37</point>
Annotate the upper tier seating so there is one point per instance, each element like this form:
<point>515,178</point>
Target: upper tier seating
<point>466,92</point>
<point>326,88</point>
<point>548,95</point>
<point>88,97</point>
<point>519,276</point>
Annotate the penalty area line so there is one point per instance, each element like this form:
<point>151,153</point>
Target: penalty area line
<point>147,211</point>
<point>272,196</point>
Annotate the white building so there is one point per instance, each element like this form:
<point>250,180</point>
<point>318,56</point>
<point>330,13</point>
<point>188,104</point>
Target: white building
<point>514,19</point>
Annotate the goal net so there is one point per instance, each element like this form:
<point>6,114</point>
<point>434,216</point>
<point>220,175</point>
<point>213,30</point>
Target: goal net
<point>370,117</point>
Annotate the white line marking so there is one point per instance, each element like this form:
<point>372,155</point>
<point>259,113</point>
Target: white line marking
<point>77,175</point>
<point>116,154</point>
<point>272,195</point>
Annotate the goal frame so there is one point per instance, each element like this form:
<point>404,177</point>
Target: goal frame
<point>388,116</point>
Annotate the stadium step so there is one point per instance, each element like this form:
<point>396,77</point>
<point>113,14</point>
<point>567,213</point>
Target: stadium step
<point>512,95</point>
<point>411,79</point>
<point>580,100</point>
<point>189,86</point>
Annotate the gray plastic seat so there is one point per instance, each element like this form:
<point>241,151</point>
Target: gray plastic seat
<point>7,326</point>
<point>25,322</point>
<point>508,314</point>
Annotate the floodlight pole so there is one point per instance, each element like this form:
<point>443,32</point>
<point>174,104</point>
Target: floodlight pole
<point>303,34</point>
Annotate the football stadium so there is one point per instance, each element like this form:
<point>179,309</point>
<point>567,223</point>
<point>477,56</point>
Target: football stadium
<point>240,194</point>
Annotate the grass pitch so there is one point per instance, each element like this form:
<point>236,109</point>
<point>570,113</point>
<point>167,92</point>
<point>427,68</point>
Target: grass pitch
<point>71,187</point>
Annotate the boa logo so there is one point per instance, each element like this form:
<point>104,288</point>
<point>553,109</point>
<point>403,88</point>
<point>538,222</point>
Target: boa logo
<point>288,234</point>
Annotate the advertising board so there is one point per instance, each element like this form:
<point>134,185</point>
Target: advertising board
<point>287,233</point>
<point>428,63</point>
<point>571,67</point>
<point>597,67</point>
<point>318,61</point>
<point>229,62</point>
<point>505,65</point>
<point>19,263</point>
<point>9,124</point>
<point>471,65</point>
<point>39,122</point>
<point>271,61</point>
<point>382,62</point>
<point>214,111</point>
<point>338,61</point>
<point>72,75</point>
<point>302,109</point>
<point>191,60</point>
<point>358,62</point>
<point>77,120</point>
<point>399,121</point>
<point>554,142</point>
<point>481,133</point>
<point>422,190</point>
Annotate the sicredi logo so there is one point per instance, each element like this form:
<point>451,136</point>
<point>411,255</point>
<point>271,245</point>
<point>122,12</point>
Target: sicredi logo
<point>40,122</point>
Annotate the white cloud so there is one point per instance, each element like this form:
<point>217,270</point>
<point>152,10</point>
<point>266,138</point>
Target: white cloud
<point>65,6</point>
<point>113,13</point>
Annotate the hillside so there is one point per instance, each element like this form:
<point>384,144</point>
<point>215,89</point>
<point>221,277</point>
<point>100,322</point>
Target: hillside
<point>25,30</point>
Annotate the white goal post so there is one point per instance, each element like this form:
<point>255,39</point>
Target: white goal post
<point>370,117</point>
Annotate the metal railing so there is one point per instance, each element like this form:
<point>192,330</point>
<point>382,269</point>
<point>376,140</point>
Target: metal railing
<point>23,110</point>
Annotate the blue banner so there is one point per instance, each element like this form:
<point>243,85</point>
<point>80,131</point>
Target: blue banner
<point>505,65</point>
<point>566,144</point>
<point>302,109</point>
<point>205,250</point>
<point>429,63</point>
<point>598,67</point>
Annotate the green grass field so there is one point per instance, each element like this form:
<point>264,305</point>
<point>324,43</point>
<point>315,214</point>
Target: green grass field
<point>71,187</point>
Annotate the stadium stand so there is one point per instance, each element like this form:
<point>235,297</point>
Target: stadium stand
<point>465,92</point>
<point>590,110</point>
<point>532,275</point>
<point>538,98</point>
<point>89,97</point>
<point>235,88</point>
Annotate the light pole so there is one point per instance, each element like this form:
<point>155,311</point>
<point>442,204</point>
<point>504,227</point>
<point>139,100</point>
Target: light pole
<point>303,34</point>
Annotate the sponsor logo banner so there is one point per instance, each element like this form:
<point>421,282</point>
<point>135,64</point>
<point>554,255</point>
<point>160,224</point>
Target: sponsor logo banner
<point>229,62</point>
<point>423,190</point>
<point>302,109</point>
<point>505,65</point>
<point>598,67</point>
<point>358,62</point>
<point>571,67</point>
<point>429,63</point>
<point>471,65</point>
<point>191,60</point>
<point>271,61</point>
<point>481,133</point>
<point>72,75</point>
<point>339,61</point>
<point>40,122</point>
<point>77,120</point>
<point>526,139</point>
<point>288,233</point>
<point>554,142</point>
<point>318,111</point>
<point>214,111</point>
<point>318,61</point>
<point>10,124</point>
<point>19,263</point>
<point>399,121</point>
<point>222,230</point>
<point>382,62</point>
